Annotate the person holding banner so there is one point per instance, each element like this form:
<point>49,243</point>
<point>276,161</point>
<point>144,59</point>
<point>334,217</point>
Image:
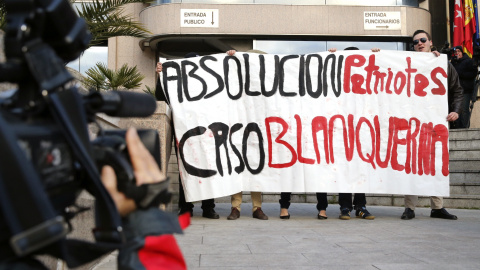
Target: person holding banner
<point>359,199</point>
<point>236,199</point>
<point>322,204</point>
<point>467,71</point>
<point>208,206</point>
<point>422,42</point>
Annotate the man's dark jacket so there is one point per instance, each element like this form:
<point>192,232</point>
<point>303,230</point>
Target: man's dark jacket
<point>455,90</point>
<point>467,71</point>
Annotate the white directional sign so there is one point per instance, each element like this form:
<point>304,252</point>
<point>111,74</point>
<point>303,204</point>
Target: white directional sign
<point>379,20</point>
<point>199,18</point>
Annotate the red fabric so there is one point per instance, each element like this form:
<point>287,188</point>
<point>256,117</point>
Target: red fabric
<point>458,23</point>
<point>161,253</point>
<point>470,26</point>
<point>184,220</point>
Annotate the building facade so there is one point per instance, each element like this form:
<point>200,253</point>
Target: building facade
<point>279,27</point>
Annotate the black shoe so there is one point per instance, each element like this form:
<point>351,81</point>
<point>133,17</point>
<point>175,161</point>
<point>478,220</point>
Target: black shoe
<point>210,213</point>
<point>408,214</point>
<point>344,214</point>
<point>185,210</point>
<point>442,213</point>
<point>321,217</point>
<point>362,212</point>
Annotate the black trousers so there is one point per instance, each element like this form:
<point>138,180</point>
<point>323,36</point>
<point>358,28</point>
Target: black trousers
<point>345,200</point>
<point>184,205</point>
<point>322,202</point>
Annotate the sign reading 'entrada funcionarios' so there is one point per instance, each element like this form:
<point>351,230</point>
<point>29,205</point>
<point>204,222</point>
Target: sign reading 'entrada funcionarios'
<point>350,121</point>
<point>381,20</point>
<point>199,17</point>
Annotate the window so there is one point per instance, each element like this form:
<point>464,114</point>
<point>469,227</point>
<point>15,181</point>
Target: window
<point>305,47</point>
<point>89,58</point>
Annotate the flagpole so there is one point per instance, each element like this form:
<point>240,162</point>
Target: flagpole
<point>448,22</point>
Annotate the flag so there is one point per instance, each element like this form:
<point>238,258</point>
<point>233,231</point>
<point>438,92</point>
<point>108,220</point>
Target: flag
<point>470,27</point>
<point>476,40</point>
<point>458,24</point>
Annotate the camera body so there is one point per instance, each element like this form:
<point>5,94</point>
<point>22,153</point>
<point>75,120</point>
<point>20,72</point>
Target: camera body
<point>43,144</point>
<point>476,52</point>
<point>48,157</point>
<point>450,52</point>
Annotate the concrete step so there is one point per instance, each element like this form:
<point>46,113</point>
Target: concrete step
<point>461,144</point>
<point>453,201</point>
<point>465,189</point>
<point>464,134</point>
<point>464,140</point>
<point>172,168</point>
<point>464,164</point>
<point>461,153</point>
<point>464,176</point>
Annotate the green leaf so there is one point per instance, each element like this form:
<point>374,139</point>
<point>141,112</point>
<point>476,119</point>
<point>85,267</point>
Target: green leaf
<point>3,14</point>
<point>101,77</point>
<point>149,90</point>
<point>105,19</point>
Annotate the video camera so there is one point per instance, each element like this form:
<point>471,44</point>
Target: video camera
<point>476,52</point>
<point>47,155</point>
<point>450,52</point>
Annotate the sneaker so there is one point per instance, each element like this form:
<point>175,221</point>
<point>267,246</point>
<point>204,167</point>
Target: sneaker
<point>408,214</point>
<point>442,213</point>
<point>344,214</point>
<point>362,212</point>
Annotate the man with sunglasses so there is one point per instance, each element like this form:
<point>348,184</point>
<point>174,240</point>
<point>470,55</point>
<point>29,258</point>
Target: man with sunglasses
<point>422,42</point>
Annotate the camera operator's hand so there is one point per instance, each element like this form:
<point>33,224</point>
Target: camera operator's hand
<point>145,169</point>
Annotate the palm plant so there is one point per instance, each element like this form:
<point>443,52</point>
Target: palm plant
<point>105,19</point>
<point>3,14</point>
<point>101,77</point>
<point>149,90</point>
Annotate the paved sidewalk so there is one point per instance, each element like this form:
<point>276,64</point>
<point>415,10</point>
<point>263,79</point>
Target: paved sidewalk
<point>304,242</point>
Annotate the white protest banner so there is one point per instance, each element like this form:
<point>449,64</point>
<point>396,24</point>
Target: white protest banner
<point>350,121</point>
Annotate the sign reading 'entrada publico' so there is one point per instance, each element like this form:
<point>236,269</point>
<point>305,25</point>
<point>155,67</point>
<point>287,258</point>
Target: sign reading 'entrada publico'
<point>199,18</point>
